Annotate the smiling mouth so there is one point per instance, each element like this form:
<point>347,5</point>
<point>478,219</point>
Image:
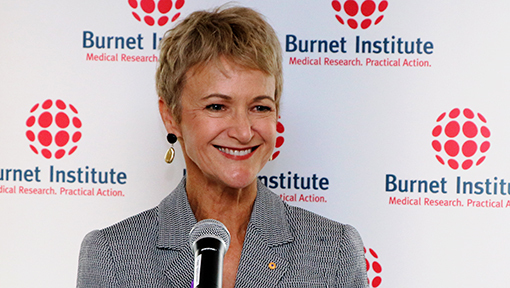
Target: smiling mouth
<point>236,152</point>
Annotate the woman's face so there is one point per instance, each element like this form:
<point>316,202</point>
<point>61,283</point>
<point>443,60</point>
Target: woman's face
<point>228,125</point>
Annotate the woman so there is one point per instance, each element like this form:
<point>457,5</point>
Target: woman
<point>219,83</point>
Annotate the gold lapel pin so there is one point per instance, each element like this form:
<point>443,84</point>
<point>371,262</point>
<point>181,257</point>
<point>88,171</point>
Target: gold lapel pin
<point>272,265</point>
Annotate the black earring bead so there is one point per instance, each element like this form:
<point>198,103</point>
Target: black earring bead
<point>171,138</point>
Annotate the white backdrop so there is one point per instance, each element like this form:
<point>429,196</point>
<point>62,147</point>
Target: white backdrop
<point>350,126</point>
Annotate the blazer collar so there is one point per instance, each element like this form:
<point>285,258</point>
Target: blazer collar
<point>268,229</point>
<point>269,218</point>
<point>176,218</point>
<point>263,260</point>
<point>175,221</point>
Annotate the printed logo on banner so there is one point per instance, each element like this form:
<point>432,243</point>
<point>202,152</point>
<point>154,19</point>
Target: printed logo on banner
<point>156,13</point>
<point>53,129</point>
<point>374,268</point>
<point>461,141</point>
<point>461,138</point>
<point>279,140</point>
<point>360,13</point>
<point>385,49</point>
<point>295,187</point>
<point>133,47</point>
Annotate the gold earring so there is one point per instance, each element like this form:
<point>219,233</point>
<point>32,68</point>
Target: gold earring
<point>170,154</point>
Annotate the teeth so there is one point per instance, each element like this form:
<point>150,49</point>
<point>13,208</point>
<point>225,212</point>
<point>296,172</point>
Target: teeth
<point>235,152</point>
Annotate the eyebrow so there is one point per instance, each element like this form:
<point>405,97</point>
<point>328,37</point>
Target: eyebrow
<point>262,97</point>
<point>226,97</point>
<point>222,96</point>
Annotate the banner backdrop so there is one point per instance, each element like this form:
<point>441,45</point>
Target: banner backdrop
<point>394,120</point>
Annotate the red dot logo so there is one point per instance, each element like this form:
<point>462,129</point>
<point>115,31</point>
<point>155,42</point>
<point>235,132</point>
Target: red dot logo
<point>461,138</point>
<point>53,129</point>
<point>374,268</point>
<point>279,139</point>
<point>359,13</point>
<point>156,12</point>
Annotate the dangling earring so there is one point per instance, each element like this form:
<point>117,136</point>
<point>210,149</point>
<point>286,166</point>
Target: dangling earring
<point>170,154</point>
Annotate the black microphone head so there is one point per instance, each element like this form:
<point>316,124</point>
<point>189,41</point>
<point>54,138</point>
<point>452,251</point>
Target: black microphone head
<point>209,228</point>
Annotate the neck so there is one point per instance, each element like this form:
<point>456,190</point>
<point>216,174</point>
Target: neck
<point>228,205</point>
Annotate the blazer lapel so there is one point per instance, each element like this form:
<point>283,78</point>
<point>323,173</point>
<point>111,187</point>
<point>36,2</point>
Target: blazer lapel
<point>263,262</point>
<point>175,221</point>
<point>179,268</point>
<point>260,266</point>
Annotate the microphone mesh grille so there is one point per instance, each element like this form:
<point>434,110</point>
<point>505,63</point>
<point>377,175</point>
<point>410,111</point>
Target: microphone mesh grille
<point>209,228</point>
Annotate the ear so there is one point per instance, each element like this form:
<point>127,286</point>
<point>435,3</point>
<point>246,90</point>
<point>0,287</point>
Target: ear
<point>168,119</point>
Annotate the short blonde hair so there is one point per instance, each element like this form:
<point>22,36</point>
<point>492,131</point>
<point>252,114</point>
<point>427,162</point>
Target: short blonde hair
<point>239,34</point>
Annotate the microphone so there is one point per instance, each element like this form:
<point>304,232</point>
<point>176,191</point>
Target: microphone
<point>209,240</point>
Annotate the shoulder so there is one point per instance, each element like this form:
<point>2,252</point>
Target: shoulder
<point>144,222</point>
<point>302,225</point>
<point>108,257</point>
<point>320,242</point>
<point>306,222</point>
<point>127,231</point>
<point>137,234</point>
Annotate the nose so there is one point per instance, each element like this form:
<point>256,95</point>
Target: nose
<point>241,127</point>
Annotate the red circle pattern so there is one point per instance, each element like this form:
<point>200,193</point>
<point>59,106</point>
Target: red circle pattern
<point>359,13</point>
<point>49,129</point>
<point>279,140</point>
<point>460,138</point>
<point>374,268</point>
<point>153,12</point>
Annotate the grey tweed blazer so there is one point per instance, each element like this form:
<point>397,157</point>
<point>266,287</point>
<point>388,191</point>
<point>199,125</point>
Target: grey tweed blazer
<point>151,249</point>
